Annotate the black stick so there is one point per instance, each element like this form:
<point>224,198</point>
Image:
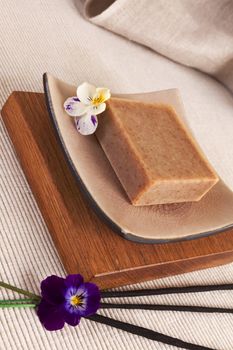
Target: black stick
<point>146,333</point>
<point>162,291</point>
<point>159,307</point>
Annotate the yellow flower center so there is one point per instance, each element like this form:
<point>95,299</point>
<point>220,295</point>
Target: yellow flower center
<point>75,300</point>
<point>98,100</point>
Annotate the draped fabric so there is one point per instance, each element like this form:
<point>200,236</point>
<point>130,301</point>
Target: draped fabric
<point>196,33</point>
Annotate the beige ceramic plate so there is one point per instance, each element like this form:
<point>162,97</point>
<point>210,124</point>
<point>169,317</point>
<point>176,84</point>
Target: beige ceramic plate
<point>152,224</point>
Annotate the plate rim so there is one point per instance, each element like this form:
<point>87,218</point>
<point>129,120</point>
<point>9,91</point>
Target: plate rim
<point>94,205</point>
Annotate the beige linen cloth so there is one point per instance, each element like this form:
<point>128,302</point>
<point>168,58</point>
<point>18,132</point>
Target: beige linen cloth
<point>197,33</point>
<point>49,35</point>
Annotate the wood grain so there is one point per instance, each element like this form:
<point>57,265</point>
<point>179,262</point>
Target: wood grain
<point>85,244</point>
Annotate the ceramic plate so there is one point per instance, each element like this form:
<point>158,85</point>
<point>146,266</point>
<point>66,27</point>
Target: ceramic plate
<point>96,178</point>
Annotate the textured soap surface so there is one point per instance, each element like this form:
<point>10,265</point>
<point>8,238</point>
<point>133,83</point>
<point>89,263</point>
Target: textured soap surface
<point>153,154</point>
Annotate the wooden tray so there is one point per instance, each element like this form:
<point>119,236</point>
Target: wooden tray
<point>85,244</point>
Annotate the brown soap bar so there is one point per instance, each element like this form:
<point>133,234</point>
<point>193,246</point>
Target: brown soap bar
<point>153,154</point>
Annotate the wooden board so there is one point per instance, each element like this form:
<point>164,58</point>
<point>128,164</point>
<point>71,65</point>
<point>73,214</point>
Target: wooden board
<point>85,244</point>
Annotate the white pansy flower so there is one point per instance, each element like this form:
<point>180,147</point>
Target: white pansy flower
<point>89,102</point>
<point>87,124</point>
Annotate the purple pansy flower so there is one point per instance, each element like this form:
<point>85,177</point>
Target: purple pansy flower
<point>66,300</point>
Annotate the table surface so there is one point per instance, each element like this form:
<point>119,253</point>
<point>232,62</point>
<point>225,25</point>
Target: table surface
<point>43,36</point>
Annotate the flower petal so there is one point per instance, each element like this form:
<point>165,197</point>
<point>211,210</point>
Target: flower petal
<point>91,299</point>
<point>74,280</point>
<point>85,92</point>
<point>104,93</point>
<point>97,109</point>
<point>53,289</point>
<point>87,124</point>
<point>74,107</point>
<point>72,319</point>
<point>51,316</point>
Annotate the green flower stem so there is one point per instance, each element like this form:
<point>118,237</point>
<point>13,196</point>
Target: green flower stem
<point>15,305</point>
<point>19,290</point>
<point>19,301</point>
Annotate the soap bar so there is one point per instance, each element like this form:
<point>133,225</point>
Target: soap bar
<point>153,154</point>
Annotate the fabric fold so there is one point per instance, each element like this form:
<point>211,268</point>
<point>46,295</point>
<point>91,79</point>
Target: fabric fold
<point>195,33</point>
